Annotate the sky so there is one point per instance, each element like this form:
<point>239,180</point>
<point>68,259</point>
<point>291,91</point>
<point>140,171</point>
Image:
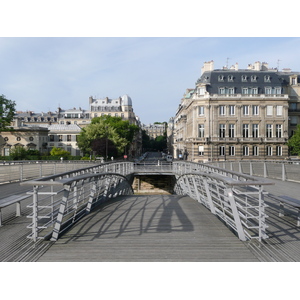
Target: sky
<point>44,73</point>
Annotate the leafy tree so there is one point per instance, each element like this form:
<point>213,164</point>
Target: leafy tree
<point>7,111</point>
<point>59,152</point>
<point>18,153</point>
<point>294,142</point>
<point>104,129</point>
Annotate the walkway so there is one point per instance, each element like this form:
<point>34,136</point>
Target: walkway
<point>149,228</point>
<point>153,228</point>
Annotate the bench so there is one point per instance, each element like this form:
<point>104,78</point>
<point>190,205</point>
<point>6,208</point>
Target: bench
<point>295,203</point>
<point>14,199</point>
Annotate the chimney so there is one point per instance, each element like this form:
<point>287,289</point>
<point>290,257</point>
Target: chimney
<point>264,66</point>
<point>257,66</point>
<point>207,66</point>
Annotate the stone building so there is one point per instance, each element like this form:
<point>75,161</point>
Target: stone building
<point>30,137</point>
<point>236,114</point>
<point>65,124</point>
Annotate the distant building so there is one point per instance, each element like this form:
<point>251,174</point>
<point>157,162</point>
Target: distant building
<point>154,130</point>
<point>29,137</point>
<point>237,114</point>
<point>65,124</point>
<point>119,107</point>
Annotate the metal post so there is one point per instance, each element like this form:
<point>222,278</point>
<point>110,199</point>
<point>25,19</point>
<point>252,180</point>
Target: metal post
<point>265,169</point>
<point>283,172</point>
<point>236,216</point>
<point>35,214</point>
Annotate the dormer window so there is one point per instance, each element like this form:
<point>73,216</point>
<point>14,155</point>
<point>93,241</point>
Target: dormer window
<point>267,78</point>
<point>253,78</point>
<point>221,78</point>
<point>230,78</point>
<point>244,78</point>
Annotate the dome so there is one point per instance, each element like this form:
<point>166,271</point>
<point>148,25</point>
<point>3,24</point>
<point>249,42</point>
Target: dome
<point>126,100</point>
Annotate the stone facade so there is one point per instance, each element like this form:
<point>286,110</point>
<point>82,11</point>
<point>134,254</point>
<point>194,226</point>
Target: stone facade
<point>236,114</point>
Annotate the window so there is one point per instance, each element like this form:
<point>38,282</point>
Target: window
<point>253,78</point>
<point>279,110</point>
<point>230,78</point>
<point>269,150</point>
<point>201,150</point>
<point>244,78</point>
<point>278,130</point>
<point>231,150</point>
<point>69,138</point>
<point>269,110</point>
<point>255,130</point>
<point>278,150</point>
<point>245,150</point>
<point>221,78</point>
<point>231,91</point>
<point>231,110</point>
<point>60,138</point>
<point>294,120</point>
<point>267,78</point>
<point>6,151</point>
<point>245,130</point>
<point>201,110</point>
<point>231,130</point>
<point>201,130</point>
<point>278,90</point>
<point>255,151</point>
<point>293,106</point>
<point>201,91</point>
<point>245,91</point>
<point>255,110</point>
<point>268,91</point>
<point>222,110</point>
<point>294,80</point>
<point>254,91</point>
<point>51,138</point>
<point>222,150</point>
<point>245,110</point>
<point>222,129</point>
<point>269,130</point>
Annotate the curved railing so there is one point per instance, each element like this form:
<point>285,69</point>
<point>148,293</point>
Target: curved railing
<point>60,200</point>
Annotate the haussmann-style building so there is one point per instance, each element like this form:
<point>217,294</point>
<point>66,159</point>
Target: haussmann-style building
<point>238,114</point>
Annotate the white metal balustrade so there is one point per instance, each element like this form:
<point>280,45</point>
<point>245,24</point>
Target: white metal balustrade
<point>60,200</point>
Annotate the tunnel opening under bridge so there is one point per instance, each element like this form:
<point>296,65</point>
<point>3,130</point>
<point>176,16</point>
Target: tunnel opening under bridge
<point>153,184</point>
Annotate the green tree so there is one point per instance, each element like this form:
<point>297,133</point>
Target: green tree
<point>18,153</point>
<point>7,111</point>
<point>294,142</point>
<point>59,152</point>
<point>109,130</point>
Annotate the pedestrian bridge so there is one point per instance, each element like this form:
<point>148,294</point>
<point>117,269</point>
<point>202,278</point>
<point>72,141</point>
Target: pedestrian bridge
<point>59,201</point>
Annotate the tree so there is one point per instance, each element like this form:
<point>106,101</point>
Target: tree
<point>106,129</point>
<point>294,142</point>
<point>7,111</point>
<point>59,152</point>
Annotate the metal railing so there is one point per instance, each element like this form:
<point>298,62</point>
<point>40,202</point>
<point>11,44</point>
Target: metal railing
<point>14,171</point>
<point>60,200</point>
<point>284,170</point>
<point>236,198</point>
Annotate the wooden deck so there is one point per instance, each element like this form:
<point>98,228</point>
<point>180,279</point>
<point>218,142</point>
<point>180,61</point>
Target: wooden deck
<point>154,228</point>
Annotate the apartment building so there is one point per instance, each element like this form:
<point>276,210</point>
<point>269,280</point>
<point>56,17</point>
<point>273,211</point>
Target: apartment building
<point>237,114</point>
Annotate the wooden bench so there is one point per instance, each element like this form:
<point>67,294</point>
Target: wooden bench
<point>295,203</point>
<point>14,199</point>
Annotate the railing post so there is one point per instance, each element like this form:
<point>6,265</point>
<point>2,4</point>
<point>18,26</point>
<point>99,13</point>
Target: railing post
<point>283,172</point>
<point>236,217</point>
<point>35,214</point>
<point>265,169</point>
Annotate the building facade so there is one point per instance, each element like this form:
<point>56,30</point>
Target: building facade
<point>29,137</point>
<point>65,124</point>
<point>236,114</point>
